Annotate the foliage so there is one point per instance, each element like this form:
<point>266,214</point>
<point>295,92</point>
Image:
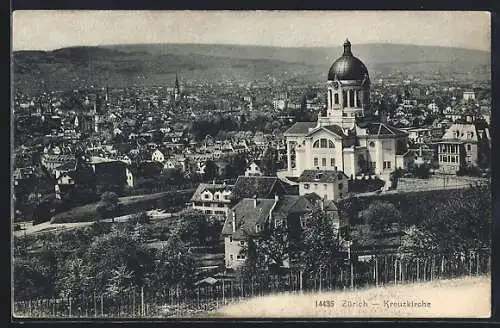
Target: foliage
<point>195,227</point>
<point>321,245</point>
<point>109,205</point>
<point>210,170</point>
<point>269,159</point>
<point>174,266</point>
<point>380,215</point>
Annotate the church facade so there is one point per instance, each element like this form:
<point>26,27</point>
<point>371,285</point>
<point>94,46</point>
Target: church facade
<point>348,137</point>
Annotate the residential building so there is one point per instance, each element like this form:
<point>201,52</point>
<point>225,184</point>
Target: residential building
<point>458,148</point>
<point>260,186</point>
<point>252,217</point>
<point>329,184</point>
<point>254,169</point>
<point>213,199</point>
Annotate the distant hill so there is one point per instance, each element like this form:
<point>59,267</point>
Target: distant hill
<point>156,64</point>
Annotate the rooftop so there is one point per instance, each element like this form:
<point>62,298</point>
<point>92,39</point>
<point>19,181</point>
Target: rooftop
<point>327,176</point>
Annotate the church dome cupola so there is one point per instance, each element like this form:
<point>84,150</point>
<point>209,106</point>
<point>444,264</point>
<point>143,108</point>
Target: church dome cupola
<point>347,67</point>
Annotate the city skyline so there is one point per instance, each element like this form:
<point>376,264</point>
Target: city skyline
<point>67,28</point>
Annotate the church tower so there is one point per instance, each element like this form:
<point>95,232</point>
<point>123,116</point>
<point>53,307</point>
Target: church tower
<point>348,91</point>
<point>177,89</point>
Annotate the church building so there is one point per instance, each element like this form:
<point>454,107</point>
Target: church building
<point>348,137</point>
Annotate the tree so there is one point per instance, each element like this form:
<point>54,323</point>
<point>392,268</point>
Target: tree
<point>192,226</point>
<point>210,170</point>
<point>109,205</point>
<point>394,177</point>
<point>174,266</point>
<point>269,160</point>
<point>381,214</point>
<point>321,245</point>
<point>108,252</point>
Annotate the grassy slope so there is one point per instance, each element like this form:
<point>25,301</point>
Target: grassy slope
<point>468,297</point>
<point>130,205</point>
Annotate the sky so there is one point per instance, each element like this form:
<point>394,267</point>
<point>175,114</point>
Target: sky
<point>53,29</point>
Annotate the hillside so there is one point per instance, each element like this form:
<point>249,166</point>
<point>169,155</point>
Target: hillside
<point>156,64</point>
<point>468,297</point>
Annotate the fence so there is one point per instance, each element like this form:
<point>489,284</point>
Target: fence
<point>183,302</point>
<point>438,182</point>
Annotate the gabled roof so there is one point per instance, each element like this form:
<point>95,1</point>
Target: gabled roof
<point>327,176</point>
<point>248,215</point>
<point>211,187</point>
<point>300,128</point>
<point>335,129</point>
<point>261,186</point>
<point>380,129</point>
<point>68,166</point>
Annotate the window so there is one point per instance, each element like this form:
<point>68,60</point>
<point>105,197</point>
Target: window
<point>206,196</point>
<point>351,98</point>
<point>453,159</point>
<point>388,165</point>
<point>306,186</point>
<point>344,99</point>
<point>341,186</point>
<point>330,144</point>
<point>231,257</point>
<point>358,100</point>
<point>242,243</point>
<point>315,161</point>
<point>332,161</point>
<point>240,257</point>
<point>323,143</point>
<point>325,186</point>
<point>230,239</point>
<point>257,228</point>
<point>372,144</point>
<point>445,159</point>
<point>336,96</point>
<point>323,161</point>
<point>303,222</point>
<point>469,147</point>
<point>278,222</point>
<point>316,144</point>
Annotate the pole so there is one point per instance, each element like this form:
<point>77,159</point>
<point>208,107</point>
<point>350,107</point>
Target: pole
<point>395,272</point>
<point>102,304</point>
<point>70,306</point>
<point>142,301</point>
<point>320,279</point>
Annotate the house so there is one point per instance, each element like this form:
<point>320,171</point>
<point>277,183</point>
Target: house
<point>458,148</point>
<point>157,156</point>
<point>252,217</point>
<point>262,187</point>
<point>254,169</point>
<point>213,199</point>
<point>111,173</point>
<point>419,135</point>
<point>329,184</point>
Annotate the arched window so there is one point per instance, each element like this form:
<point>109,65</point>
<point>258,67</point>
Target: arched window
<point>372,144</point>
<point>323,143</point>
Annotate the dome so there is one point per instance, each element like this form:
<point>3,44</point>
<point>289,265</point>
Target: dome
<point>347,67</point>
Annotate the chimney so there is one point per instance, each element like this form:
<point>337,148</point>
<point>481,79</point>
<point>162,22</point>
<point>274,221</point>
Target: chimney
<point>254,201</point>
<point>233,221</point>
